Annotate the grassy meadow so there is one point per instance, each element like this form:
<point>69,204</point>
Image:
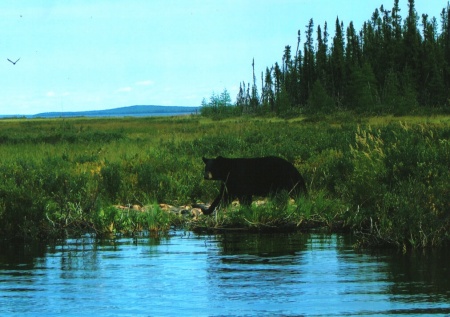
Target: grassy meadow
<point>385,179</point>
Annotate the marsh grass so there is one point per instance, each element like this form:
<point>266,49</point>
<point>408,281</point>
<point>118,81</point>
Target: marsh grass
<point>383,178</point>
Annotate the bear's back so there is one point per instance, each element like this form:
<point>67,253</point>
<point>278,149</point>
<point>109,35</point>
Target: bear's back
<point>260,176</point>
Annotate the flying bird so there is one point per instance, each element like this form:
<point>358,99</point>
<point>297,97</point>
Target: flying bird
<point>14,63</point>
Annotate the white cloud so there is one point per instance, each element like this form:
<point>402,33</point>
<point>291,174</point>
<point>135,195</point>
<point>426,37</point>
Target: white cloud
<point>53,94</point>
<point>145,83</point>
<point>125,89</point>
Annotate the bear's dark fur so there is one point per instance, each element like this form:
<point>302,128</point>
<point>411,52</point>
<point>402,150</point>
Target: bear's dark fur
<point>244,177</point>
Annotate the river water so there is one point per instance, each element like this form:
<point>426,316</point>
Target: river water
<point>225,275</point>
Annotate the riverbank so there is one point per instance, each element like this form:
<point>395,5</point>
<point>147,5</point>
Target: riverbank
<point>383,178</point>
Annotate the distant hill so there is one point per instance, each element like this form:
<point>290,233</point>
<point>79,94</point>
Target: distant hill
<point>131,111</point>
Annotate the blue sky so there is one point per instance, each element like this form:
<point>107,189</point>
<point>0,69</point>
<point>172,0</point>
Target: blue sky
<point>97,54</point>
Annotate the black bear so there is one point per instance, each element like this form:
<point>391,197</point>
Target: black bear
<point>243,177</point>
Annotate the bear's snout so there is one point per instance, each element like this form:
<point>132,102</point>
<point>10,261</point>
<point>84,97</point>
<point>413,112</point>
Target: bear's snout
<point>208,175</point>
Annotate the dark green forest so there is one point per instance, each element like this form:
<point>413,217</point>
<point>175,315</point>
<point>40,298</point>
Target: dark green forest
<point>393,65</point>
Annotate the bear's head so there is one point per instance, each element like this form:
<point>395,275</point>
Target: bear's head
<point>215,168</point>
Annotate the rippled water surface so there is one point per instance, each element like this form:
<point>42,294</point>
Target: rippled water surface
<point>225,275</point>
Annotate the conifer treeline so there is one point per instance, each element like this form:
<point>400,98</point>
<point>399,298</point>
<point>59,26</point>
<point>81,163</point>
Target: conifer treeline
<point>391,65</point>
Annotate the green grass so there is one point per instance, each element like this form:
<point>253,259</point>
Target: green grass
<point>383,178</point>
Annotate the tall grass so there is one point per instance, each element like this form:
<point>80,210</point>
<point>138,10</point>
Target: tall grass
<point>385,180</point>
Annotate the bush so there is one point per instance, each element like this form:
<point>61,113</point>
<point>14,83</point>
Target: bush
<point>400,186</point>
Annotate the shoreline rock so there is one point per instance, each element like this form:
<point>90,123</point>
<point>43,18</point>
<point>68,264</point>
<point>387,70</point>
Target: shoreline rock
<point>194,211</point>
<point>184,210</point>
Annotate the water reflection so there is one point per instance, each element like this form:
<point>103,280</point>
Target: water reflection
<point>231,274</point>
<point>420,277</point>
<point>298,273</point>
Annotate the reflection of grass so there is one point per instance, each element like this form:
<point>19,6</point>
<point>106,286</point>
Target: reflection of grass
<point>384,178</point>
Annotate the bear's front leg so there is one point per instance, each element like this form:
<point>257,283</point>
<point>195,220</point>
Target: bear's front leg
<point>245,200</point>
<point>223,195</point>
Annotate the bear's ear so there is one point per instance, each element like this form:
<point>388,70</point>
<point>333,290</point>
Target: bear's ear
<point>205,160</point>
<point>219,158</point>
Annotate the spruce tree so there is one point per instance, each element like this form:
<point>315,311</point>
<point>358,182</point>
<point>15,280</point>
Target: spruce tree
<point>308,74</point>
<point>319,100</point>
<point>321,56</point>
<point>388,63</point>
<point>254,98</point>
<point>352,51</point>
<point>444,44</point>
<point>337,64</point>
<point>411,43</point>
<point>268,96</point>
<point>432,90</point>
<point>390,93</point>
<point>361,89</point>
